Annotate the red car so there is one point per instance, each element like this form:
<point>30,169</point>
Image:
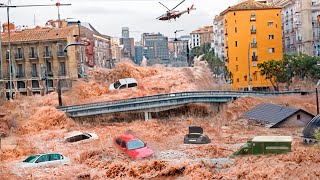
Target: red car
<point>132,146</point>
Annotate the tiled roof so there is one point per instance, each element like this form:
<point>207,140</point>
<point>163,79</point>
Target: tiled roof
<point>250,5</point>
<point>37,34</point>
<point>271,114</point>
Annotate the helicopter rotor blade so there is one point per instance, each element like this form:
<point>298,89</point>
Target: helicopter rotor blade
<point>164,6</point>
<point>178,5</point>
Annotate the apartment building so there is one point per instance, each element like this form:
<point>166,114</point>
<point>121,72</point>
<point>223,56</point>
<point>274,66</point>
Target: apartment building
<point>252,35</point>
<point>218,35</point>
<point>301,26</point>
<point>201,36</point>
<point>38,60</point>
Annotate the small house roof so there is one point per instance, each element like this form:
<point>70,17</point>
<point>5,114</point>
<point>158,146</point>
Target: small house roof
<point>271,114</point>
<point>272,139</point>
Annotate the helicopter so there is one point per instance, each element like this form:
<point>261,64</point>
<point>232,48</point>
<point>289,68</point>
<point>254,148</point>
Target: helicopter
<point>172,13</point>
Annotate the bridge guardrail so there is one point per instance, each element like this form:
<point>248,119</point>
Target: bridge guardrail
<point>177,94</point>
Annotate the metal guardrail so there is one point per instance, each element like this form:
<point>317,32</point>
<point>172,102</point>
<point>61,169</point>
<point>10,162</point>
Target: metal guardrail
<point>162,100</point>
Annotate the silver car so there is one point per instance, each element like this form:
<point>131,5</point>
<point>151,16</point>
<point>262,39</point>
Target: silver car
<point>40,160</point>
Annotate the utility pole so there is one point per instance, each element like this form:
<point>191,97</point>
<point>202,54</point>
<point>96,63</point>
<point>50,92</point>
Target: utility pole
<point>317,100</point>
<point>81,53</point>
<point>249,76</point>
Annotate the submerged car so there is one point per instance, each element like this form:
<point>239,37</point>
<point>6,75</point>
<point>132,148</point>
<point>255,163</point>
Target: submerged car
<point>196,136</point>
<point>132,146</point>
<point>78,136</point>
<point>123,84</point>
<point>40,160</point>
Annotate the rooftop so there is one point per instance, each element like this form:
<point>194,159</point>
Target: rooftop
<point>249,5</point>
<point>271,114</point>
<point>37,34</point>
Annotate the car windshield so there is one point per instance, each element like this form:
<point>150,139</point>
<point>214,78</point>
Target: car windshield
<point>116,84</point>
<point>31,159</point>
<point>135,144</point>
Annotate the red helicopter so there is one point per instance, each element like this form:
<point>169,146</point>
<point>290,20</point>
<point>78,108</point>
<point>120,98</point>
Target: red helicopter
<point>173,14</point>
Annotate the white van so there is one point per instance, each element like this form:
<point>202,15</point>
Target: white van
<point>123,84</point>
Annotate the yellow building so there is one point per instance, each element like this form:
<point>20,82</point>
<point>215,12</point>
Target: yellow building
<point>252,35</point>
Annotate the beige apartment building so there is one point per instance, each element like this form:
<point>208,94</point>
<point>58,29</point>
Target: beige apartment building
<point>39,61</point>
<point>202,36</point>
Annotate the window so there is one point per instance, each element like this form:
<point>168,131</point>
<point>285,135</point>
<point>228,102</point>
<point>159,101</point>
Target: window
<point>123,144</point>
<point>43,158</point>
<point>49,68</point>
<point>62,69</point>
<point>271,50</point>
<point>60,50</point>
<point>270,23</point>
<point>132,85</point>
<point>235,29</point>
<point>135,144</point>
<point>237,79</point>
<point>271,36</point>
<point>236,58</point>
<point>236,43</point>
<point>118,141</point>
<point>245,78</point>
<point>34,70</point>
<point>20,70</point>
<point>54,157</point>
<point>33,52</point>
<point>237,68</point>
<point>298,117</point>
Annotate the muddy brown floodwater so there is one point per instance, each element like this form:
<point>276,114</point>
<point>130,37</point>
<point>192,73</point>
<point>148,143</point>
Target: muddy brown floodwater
<point>33,125</point>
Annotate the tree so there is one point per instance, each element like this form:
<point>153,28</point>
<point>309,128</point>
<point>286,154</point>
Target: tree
<point>275,71</point>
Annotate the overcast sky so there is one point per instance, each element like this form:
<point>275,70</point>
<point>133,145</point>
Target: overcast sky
<point>108,16</point>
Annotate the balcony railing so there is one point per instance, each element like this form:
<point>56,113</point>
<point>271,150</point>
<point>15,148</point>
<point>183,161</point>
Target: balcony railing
<point>33,56</point>
<point>47,54</point>
<point>34,74</point>
<point>253,31</point>
<point>18,56</point>
<point>62,73</point>
<point>254,58</point>
<point>20,75</point>
<point>253,18</point>
<point>60,54</point>
<point>254,45</point>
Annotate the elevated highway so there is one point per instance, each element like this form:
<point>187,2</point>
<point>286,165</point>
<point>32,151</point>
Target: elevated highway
<point>162,102</point>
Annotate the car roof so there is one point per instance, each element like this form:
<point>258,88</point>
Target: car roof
<point>44,154</point>
<point>128,137</point>
<point>128,80</point>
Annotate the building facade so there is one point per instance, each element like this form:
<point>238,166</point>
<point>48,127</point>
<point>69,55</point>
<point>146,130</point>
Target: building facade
<point>155,47</point>
<point>301,26</point>
<point>253,35</point>
<point>38,60</point>
<point>218,36</point>
<point>115,49</point>
<point>138,54</point>
<point>202,36</point>
<point>128,44</point>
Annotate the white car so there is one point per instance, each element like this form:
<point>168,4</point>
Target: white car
<point>123,84</point>
<point>40,160</point>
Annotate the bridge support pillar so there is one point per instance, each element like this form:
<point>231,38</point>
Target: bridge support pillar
<point>147,116</point>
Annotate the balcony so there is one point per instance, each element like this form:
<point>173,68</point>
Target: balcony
<point>18,56</point>
<point>34,74</point>
<point>253,45</point>
<point>253,18</point>
<point>60,54</point>
<point>33,56</point>
<point>20,74</point>
<point>47,54</point>
<point>62,73</point>
<point>226,34</point>
<point>253,31</point>
<point>254,58</point>
<point>222,44</point>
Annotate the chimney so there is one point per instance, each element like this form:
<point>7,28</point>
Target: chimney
<point>5,27</point>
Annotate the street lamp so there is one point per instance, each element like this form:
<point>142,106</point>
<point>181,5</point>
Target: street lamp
<point>9,43</point>
<point>81,62</point>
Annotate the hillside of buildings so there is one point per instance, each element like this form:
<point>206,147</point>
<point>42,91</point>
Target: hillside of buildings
<point>33,125</point>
